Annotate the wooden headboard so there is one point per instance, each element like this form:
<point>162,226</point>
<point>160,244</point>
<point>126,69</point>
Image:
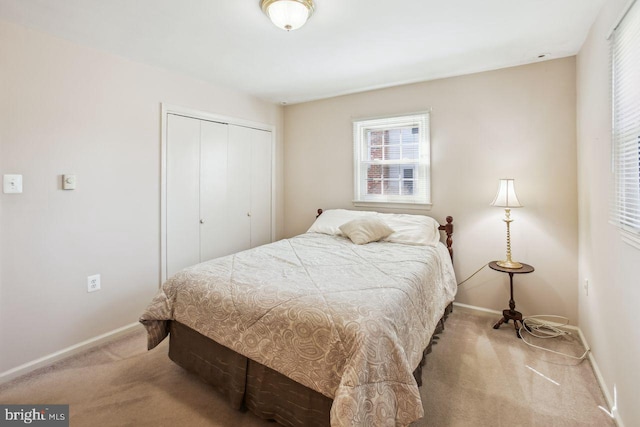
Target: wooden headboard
<point>447,228</point>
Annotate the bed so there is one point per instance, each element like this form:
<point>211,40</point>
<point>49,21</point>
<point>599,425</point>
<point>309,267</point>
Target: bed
<point>328,327</point>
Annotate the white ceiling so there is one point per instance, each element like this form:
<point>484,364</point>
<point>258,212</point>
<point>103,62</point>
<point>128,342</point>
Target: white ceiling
<point>347,46</point>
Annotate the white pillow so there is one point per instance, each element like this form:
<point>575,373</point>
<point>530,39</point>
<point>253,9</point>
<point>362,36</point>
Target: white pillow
<point>365,230</point>
<point>412,229</point>
<point>331,220</point>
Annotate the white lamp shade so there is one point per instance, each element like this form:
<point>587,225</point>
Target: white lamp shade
<point>506,197</point>
<point>288,14</point>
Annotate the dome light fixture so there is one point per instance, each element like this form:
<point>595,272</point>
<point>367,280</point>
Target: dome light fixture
<point>288,14</point>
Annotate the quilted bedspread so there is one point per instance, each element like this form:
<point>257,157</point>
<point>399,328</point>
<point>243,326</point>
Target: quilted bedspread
<point>348,321</point>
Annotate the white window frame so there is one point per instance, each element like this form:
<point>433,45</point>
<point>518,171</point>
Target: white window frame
<point>625,103</point>
<point>421,199</point>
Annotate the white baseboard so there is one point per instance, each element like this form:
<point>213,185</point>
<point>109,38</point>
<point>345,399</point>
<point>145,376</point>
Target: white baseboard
<point>476,308</point>
<point>66,352</point>
<point>611,403</point>
<point>594,365</point>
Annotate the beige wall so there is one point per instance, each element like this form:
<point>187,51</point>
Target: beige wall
<point>607,314</point>
<point>69,109</point>
<point>517,122</point>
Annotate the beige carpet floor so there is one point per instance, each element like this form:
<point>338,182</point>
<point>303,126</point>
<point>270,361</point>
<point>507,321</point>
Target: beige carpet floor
<point>475,376</point>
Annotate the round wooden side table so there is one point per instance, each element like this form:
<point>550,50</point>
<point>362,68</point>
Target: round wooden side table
<point>511,313</point>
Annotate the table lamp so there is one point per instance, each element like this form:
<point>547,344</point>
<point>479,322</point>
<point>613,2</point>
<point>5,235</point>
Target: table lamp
<point>507,199</point>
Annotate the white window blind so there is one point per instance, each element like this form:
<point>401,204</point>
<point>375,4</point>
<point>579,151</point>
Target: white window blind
<point>391,160</point>
<point>625,54</point>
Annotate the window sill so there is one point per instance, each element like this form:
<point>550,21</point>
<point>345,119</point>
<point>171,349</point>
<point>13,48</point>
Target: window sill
<point>390,205</point>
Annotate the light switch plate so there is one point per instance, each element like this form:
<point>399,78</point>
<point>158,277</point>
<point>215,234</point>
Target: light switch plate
<point>12,184</point>
<point>93,283</point>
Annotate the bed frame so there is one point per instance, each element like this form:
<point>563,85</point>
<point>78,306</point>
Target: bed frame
<point>266,393</point>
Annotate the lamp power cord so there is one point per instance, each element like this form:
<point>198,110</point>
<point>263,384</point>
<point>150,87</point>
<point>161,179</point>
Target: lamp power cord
<point>476,272</point>
<point>541,328</point>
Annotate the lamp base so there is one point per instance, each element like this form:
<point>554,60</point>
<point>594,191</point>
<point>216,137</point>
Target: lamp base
<point>509,264</point>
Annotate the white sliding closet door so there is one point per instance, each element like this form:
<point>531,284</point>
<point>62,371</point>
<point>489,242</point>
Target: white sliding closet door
<point>218,190</point>
<point>213,189</point>
<point>261,186</point>
<point>239,189</point>
<point>183,192</point>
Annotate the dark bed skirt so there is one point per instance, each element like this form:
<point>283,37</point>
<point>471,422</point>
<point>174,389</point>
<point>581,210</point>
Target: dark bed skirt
<point>246,383</point>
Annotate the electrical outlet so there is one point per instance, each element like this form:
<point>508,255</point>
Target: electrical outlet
<point>586,286</point>
<point>93,283</point>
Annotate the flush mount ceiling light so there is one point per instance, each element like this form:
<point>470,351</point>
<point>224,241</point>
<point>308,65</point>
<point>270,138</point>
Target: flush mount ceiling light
<point>288,14</point>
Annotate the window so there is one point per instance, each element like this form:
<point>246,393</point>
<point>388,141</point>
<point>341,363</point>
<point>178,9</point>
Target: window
<point>391,160</point>
<point>626,120</point>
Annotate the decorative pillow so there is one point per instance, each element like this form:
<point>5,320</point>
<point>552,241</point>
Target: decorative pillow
<point>412,229</point>
<point>331,220</point>
<point>365,230</point>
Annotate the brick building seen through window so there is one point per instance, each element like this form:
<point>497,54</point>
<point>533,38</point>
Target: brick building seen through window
<point>392,144</point>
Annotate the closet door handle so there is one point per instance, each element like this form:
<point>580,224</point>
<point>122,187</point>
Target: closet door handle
<point>202,221</point>
<point>248,213</point>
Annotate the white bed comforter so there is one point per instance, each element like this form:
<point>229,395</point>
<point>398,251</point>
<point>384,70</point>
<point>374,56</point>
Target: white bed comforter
<point>348,321</point>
